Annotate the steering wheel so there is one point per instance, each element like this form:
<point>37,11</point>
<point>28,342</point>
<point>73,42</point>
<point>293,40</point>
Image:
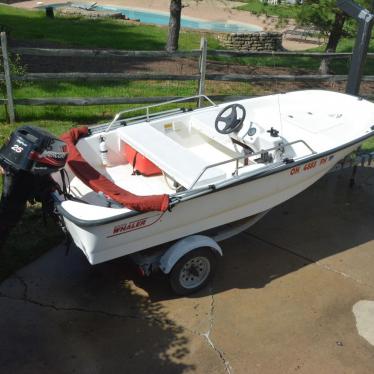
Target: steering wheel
<point>232,122</point>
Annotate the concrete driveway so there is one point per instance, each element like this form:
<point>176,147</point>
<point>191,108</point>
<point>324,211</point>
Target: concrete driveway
<point>295,293</point>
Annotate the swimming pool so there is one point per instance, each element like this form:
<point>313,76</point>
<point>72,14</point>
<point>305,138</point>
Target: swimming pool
<point>160,18</point>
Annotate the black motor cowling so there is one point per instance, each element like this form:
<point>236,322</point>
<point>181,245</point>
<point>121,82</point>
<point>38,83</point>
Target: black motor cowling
<point>28,159</point>
<point>34,150</point>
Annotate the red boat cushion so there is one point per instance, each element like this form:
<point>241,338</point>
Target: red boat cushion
<point>140,163</point>
<point>96,181</point>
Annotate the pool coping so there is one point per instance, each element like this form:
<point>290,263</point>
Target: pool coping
<point>164,13</point>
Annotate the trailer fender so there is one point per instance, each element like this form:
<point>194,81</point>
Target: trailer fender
<point>184,246</point>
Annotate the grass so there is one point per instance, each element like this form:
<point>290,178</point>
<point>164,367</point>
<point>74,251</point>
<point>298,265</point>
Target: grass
<point>310,64</point>
<point>98,113</point>
<point>31,238</point>
<point>368,146</point>
<point>92,114</point>
<point>79,32</point>
<point>282,11</point>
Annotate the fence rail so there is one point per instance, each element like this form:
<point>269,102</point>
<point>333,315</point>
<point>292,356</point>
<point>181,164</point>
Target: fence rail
<point>103,53</point>
<point>7,78</point>
<point>160,77</point>
<point>79,101</point>
<point>178,54</point>
<point>101,77</point>
<point>201,75</point>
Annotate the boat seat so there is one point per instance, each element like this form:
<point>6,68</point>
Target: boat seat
<point>210,132</point>
<point>175,160</point>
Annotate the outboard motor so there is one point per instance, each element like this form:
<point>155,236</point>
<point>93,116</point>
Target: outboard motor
<point>28,159</point>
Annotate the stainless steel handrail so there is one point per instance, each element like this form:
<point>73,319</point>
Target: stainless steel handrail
<point>148,107</point>
<point>237,159</point>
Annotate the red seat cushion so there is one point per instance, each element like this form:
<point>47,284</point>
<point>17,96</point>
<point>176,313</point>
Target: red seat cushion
<point>92,178</point>
<point>140,163</point>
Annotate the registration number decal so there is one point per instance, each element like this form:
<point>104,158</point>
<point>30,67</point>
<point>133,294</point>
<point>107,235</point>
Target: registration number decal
<point>311,165</point>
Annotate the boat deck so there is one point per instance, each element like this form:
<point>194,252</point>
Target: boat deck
<point>191,154</point>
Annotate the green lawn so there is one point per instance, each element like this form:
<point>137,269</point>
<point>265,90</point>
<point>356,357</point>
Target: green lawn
<point>368,146</point>
<point>31,238</point>
<point>282,10</point>
<point>99,113</point>
<point>80,32</point>
<point>309,64</point>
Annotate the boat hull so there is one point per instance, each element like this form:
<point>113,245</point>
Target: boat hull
<point>242,199</point>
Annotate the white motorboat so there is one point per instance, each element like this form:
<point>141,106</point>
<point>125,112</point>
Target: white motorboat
<point>140,182</point>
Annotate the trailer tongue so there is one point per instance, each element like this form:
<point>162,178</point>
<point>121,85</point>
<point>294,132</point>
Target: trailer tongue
<point>28,159</point>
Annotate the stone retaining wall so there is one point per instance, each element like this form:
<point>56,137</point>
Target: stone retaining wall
<point>256,41</point>
<point>69,11</point>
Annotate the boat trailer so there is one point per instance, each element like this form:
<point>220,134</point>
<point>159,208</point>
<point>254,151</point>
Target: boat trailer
<point>190,262</point>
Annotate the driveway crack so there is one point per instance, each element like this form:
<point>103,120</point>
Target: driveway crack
<point>24,284</point>
<point>207,338</point>
<point>81,310</point>
<point>206,335</point>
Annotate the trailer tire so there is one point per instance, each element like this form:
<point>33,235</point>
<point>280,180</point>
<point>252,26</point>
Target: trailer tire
<point>193,271</point>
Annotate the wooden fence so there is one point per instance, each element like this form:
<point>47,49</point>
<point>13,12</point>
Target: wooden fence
<point>201,75</point>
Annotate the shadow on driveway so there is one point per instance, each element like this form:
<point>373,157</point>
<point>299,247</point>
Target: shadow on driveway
<point>59,312</point>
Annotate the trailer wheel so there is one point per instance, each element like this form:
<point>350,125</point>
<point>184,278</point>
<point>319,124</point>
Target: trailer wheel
<point>193,271</point>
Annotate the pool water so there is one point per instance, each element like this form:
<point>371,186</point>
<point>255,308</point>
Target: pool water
<point>160,18</point>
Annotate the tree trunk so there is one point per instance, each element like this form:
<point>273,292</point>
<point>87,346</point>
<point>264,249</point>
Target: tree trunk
<point>174,25</point>
<point>335,35</point>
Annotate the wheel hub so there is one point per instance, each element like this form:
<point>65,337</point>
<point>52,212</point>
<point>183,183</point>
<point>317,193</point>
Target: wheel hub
<point>194,272</point>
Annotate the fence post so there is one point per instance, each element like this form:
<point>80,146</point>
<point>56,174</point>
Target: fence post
<point>8,82</point>
<point>202,68</point>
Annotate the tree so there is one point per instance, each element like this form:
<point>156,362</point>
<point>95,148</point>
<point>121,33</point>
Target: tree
<point>327,18</point>
<point>330,20</point>
<point>174,25</point>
